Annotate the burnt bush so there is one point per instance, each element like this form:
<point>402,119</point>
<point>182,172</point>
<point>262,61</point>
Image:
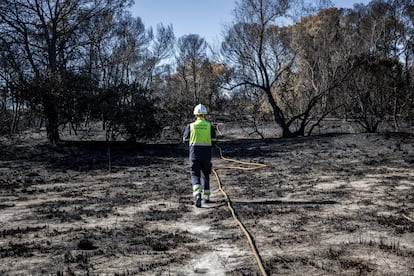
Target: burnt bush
<point>129,112</point>
<point>5,119</point>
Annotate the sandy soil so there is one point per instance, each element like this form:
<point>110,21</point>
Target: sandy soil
<point>338,204</point>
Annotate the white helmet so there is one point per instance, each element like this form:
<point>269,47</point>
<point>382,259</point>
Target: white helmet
<point>200,110</point>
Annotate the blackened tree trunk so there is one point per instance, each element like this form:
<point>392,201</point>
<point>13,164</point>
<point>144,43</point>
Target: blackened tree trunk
<point>52,119</point>
<point>278,115</point>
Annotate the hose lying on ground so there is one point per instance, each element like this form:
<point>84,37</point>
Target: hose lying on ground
<point>254,166</point>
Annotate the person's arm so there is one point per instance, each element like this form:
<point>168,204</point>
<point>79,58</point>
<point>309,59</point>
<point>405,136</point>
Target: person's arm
<point>186,135</point>
<point>213,135</point>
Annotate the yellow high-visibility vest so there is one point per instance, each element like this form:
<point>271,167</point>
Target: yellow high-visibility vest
<point>200,133</point>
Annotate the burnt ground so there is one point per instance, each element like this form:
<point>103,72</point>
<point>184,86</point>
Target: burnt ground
<point>339,204</point>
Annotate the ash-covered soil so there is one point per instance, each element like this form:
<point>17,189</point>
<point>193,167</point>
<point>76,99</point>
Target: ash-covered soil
<point>326,205</point>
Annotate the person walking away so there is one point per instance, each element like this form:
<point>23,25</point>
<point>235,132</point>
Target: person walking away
<point>200,135</point>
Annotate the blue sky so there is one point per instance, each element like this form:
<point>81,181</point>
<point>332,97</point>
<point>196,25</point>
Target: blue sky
<point>203,17</point>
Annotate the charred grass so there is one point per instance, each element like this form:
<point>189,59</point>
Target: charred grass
<point>325,205</point>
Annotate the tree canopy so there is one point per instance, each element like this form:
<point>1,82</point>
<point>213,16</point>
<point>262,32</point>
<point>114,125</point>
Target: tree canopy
<point>75,64</point>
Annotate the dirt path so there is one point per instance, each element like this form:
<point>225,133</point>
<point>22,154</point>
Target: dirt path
<point>213,261</point>
<point>222,255</point>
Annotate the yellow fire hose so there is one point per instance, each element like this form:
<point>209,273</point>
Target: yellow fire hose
<point>230,206</point>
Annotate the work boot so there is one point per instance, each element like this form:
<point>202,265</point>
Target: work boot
<point>206,196</point>
<point>198,201</point>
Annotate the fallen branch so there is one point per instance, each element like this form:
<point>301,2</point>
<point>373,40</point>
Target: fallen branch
<point>408,218</point>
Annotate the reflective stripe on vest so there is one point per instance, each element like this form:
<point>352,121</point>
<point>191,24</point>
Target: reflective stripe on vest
<point>200,133</point>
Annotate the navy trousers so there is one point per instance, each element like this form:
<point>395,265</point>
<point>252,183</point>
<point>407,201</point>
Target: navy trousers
<point>200,173</point>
